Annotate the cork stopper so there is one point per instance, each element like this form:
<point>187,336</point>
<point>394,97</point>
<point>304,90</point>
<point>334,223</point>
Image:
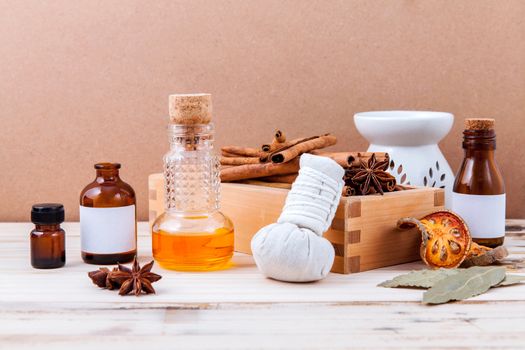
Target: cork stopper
<point>190,109</point>
<point>479,124</point>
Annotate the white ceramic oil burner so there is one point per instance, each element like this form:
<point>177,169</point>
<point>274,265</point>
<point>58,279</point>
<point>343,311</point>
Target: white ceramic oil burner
<point>411,139</point>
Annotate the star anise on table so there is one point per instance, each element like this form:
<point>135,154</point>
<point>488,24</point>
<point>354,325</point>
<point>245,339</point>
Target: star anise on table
<point>136,279</point>
<point>370,177</point>
<point>100,277</point>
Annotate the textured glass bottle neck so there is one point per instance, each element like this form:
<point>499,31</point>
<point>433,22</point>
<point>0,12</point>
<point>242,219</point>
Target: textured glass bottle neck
<point>190,137</point>
<point>191,170</point>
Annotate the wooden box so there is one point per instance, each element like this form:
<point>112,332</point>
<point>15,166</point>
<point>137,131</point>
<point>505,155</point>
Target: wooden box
<point>363,232</point>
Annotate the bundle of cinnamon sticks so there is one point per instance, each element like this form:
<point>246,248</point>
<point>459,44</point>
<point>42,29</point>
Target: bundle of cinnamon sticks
<point>278,161</point>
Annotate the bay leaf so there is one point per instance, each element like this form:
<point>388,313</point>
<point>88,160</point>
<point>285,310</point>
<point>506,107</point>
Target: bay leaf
<point>418,279</point>
<point>464,284</point>
<point>510,280</point>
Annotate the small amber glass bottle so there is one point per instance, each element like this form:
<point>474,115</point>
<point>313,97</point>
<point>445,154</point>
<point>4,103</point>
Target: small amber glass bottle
<point>48,240</point>
<point>108,226</point>
<point>479,191</point>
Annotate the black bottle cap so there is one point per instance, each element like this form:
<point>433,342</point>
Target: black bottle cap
<point>47,213</point>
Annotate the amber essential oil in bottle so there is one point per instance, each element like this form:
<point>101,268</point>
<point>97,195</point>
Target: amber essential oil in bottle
<point>479,191</point>
<point>192,234</point>
<point>194,251</point>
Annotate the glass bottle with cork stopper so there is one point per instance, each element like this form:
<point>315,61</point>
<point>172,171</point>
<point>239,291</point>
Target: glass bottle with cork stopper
<point>108,225</point>
<point>479,191</point>
<point>48,239</point>
<point>192,234</point>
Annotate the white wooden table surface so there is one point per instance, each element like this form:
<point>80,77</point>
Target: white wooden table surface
<point>240,309</point>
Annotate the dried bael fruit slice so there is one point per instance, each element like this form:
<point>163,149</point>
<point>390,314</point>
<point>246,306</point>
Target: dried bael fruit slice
<point>479,255</point>
<point>445,238</point>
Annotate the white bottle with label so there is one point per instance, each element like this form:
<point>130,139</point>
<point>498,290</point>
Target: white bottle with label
<point>108,225</point>
<point>479,191</point>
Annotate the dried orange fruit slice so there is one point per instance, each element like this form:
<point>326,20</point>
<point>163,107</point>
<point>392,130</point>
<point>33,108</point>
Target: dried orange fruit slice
<point>446,238</point>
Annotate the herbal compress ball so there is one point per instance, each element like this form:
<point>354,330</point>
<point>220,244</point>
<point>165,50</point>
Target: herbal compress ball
<point>293,249</point>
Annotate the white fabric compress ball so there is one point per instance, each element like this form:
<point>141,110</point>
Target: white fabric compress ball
<point>288,253</point>
<point>293,249</point>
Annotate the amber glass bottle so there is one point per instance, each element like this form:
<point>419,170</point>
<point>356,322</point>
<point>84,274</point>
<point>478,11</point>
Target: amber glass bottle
<point>48,240</point>
<point>192,234</point>
<point>108,226</point>
<point>479,190</point>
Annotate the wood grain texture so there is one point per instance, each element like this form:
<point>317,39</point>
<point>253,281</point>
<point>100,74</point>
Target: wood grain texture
<point>380,243</point>
<point>240,309</point>
<point>243,203</point>
<point>88,81</point>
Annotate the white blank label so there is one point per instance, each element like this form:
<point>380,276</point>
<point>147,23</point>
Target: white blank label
<point>107,230</point>
<point>484,214</point>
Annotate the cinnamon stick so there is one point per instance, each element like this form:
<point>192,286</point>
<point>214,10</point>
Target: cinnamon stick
<point>349,191</point>
<point>227,154</point>
<point>278,139</point>
<point>390,186</point>
<point>239,160</point>
<point>279,136</point>
<point>310,144</point>
<point>287,179</point>
<point>265,156</point>
<point>348,159</point>
<point>252,171</point>
<point>365,156</point>
<point>241,151</point>
<point>344,159</point>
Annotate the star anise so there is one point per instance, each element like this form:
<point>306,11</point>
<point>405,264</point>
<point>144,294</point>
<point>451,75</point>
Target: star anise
<point>370,177</point>
<point>100,278</point>
<point>136,279</point>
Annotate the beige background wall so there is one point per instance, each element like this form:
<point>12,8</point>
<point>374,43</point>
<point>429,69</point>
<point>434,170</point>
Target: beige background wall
<point>87,81</point>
